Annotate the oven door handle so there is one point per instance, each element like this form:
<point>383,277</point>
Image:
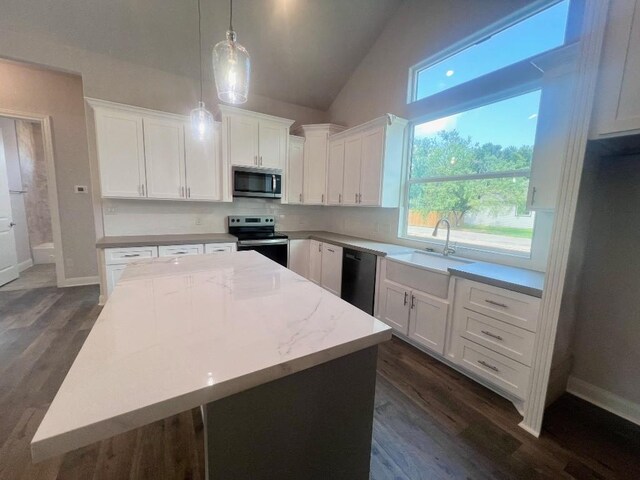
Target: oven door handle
<point>252,243</point>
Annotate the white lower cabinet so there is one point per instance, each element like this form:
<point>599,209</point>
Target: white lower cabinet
<point>299,256</point>
<point>117,259</point>
<point>177,250</point>
<point>114,272</point>
<point>219,247</point>
<point>315,262</point>
<point>415,314</point>
<point>332,268</point>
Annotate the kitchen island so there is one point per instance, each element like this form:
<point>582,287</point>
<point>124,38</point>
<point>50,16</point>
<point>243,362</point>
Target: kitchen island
<point>284,371</point>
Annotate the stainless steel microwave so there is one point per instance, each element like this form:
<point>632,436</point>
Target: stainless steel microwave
<point>257,182</point>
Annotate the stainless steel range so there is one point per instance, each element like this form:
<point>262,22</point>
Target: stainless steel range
<point>258,232</point>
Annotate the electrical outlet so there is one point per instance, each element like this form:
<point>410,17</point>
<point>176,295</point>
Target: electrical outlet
<point>81,189</point>
<point>111,211</point>
<point>198,221</point>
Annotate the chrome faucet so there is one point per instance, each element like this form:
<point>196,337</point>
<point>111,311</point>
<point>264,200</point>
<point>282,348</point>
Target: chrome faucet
<point>447,250</point>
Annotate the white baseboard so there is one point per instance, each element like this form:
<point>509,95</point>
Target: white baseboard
<point>22,266</point>
<point>80,281</point>
<point>604,399</point>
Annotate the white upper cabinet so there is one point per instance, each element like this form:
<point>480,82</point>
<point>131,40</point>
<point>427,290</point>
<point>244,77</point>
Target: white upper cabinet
<point>120,144</point>
<point>617,110</point>
<point>295,169</point>
<point>164,154</point>
<point>373,157</point>
<point>150,154</point>
<point>202,165</point>
<point>336,171</point>
<point>316,157</point>
<point>253,139</point>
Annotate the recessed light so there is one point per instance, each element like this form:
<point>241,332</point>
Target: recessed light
<point>450,73</point>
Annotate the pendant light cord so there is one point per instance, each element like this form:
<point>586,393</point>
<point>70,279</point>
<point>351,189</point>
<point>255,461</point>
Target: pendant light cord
<point>200,46</point>
<point>231,15</point>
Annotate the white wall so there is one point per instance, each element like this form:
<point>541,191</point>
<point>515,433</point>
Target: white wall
<point>20,231</point>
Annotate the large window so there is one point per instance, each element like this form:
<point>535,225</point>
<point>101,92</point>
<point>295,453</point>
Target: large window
<point>531,36</point>
<point>473,169</point>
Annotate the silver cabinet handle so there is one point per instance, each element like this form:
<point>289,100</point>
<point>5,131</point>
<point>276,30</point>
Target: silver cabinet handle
<point>181,191</point>
<point>497,304</point>
<point>143,194</point>
<point>255,159</point>
<point>406,295</point>
<point>12,224</point>
<point>189,192</point>
<point>359,198</point>
<point>332,251</point>
<point>319,247</point>
<point>356,198</point>
<point>339,198</point>
<point>260,160</point>
<point>300,198</point>
<point>413,301</point>
<point>181,253</point>
<point>130,255</point>
<point>322,198</point>
<point>493,335</point>
<point>488,365</point>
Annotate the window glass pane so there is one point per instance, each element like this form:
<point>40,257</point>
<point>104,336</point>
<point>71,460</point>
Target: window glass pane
<point>532,36</point>
<point>486,213</point>
<point>493,138</point>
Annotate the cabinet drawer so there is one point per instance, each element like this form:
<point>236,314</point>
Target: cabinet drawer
<point>507,374</point>
<point>501,337</point>
<point>119,256</point>
<point>175,250</point>
<point>219,247</point>
<point>511,307</point>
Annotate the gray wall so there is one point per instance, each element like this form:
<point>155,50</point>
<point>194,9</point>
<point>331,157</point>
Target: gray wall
<point>607,331</point>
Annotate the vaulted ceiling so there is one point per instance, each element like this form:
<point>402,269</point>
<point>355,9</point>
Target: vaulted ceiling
<point>302,51</point>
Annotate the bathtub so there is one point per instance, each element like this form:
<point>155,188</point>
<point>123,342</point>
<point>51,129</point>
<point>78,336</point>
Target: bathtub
<point>44,253</point>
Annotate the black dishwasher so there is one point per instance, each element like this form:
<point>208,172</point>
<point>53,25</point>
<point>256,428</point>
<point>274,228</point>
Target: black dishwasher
<point>359,279</point>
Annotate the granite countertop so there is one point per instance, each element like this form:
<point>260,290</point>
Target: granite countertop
<point>172,239</point>
<point>520,280</point>
<point>368,246</point>
<point>181,332</point>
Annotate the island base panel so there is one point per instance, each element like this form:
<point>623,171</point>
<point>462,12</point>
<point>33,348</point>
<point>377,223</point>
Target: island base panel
<point>314,424</point>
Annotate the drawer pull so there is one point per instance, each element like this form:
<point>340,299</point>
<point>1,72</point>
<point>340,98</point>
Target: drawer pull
<point>489,334</point>
<point>130,255</point>
<point>488,365</point>
<point>497,304</point>
<point>406,294</point>
<point>181,253</point>
<point>332,251</point>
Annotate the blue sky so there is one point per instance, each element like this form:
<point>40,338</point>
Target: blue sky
<point>511,122</point>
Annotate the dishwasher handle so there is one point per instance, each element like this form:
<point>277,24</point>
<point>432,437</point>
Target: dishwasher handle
<point>352,256</point>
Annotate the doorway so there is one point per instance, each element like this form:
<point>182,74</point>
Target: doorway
<point>29,249</point>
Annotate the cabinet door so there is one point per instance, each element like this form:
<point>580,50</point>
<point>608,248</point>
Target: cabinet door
<point>242,140</point>
<point>550,148</point>
<point>336,171</point>
<point>202,166</point>
<point>395,306</point>
<point>428,321</point>
<point>114,272</point>
<point>352,163</point>
<point>315,169</point>
<point>120,144</point>
<point>164,154</point>
<point>315,262</point>
<point>180,250</point>
<point>295,177</point>
<point>273,145</point>
<point>332,268</point>
<point>299,256</point>
<point>371,167</point>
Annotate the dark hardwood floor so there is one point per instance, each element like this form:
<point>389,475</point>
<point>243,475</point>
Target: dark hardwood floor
<point>430,421</point>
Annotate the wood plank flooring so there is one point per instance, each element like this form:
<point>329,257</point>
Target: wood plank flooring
<point>430,421</point>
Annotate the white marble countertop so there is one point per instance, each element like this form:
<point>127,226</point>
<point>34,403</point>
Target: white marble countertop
<point>181,332</point>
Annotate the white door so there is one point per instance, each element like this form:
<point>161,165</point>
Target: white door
<point>336,172</point>
<point>299,256</point>
<point>242,140</point>
<point>8,256</point>
<point>296,170</point>
<point>164,154</point>
<point>428,321</point>
<point>273,145</point>
<point>120,144</point>
<point>332,268</point>
<point>371,167</point>
<point>352,161</point>
<point>315,262</point>
<point>202,166</point>
<point>315,169</point>
<point>395,306</point>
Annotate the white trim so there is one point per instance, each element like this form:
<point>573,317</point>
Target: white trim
<point>22,266</point>
<point>52,185</point>
<point>97,103</point>
<point>80,281</point>
<point>226,110</point>
<point>604,399</point>
<point>594,23</point>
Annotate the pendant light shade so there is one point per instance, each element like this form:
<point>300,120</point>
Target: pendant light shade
<point>201,118</point>
<point>231,67</point>
<point>201,122</point>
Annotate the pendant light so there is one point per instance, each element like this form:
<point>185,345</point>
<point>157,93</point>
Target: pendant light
<point>201,118</point>
<point>231,67</point>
